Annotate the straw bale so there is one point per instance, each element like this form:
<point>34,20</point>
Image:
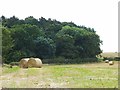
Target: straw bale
<point>24,63</point>
<point>111,63</point>
<point>106,61</point>
<point>35,62</point>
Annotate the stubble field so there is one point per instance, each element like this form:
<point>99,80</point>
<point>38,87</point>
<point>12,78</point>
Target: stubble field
<point>91,75</point>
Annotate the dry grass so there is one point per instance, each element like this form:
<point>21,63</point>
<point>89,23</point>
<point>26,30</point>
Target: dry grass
<point>91,75</point>
<point>110,54</point>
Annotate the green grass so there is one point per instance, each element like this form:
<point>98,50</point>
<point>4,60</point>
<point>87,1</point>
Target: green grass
<point>32,71</point>
<point>10,70</point>
<point>94,75</point>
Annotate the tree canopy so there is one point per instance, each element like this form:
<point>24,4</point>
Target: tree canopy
<point>47,38</point>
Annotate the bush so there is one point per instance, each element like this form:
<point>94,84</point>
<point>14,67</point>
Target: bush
<point>6,65</point>
<point>57,60</point>
<point>112,58</point>
<point>62,60</point>
<point>117,58</point>
<point>14,63</point>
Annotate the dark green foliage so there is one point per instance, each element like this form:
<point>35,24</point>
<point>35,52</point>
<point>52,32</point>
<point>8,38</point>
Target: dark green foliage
<point>7,44</point>
<point>62,60</point>
<point>79,41</point>
<point>65,46</point>
<point>112,58</point>
<point>48,39</point>
<point>44,47</point>
<point>31,20</point>
<point>117,58</point>
<point>10,21</point>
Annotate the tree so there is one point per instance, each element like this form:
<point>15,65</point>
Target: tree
<point>47,39</point>
<point>50,27</point>
<point>83,43</point>
<point>10,21</point>
<point>65,40</point>
<point>45,47</point>
<point>65,46</point>
<point>31,20</point>
<point>7,44</point>
<point>24,36</point>
<point>88,44</point>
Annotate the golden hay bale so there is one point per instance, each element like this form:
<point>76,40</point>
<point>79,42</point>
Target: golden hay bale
<point>106,61</point>
<point>111,63</point>
<point>35,62</point>
<point>24,63</point>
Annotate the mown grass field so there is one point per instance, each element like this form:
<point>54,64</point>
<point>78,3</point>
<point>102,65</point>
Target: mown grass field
<point>91,75</point>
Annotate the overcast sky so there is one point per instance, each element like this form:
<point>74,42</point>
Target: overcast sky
<point>102,15</point>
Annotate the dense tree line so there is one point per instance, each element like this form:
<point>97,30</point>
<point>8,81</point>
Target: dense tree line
<point>47,38</point>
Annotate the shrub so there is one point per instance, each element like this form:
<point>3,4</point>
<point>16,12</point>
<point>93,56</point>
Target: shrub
<point>112,58</point>
<point>108,58</point>
<point>6,65</point>
<point>62,60</point>
<point>117,58</point>
<point>14,63</point>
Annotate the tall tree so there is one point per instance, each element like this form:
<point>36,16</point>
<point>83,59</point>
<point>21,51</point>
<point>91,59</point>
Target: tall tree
<point>9,22</point>
<point>7,44</point>
<point>45,47</point>
<point>31,20</point>
<point>46,38</point>
<point>24,36</point>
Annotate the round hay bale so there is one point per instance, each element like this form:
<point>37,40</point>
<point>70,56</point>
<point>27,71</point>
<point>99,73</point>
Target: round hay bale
<point>35,62</point>
<point>24,63</point>
<point>111,63</point>
<point>106,61</point>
